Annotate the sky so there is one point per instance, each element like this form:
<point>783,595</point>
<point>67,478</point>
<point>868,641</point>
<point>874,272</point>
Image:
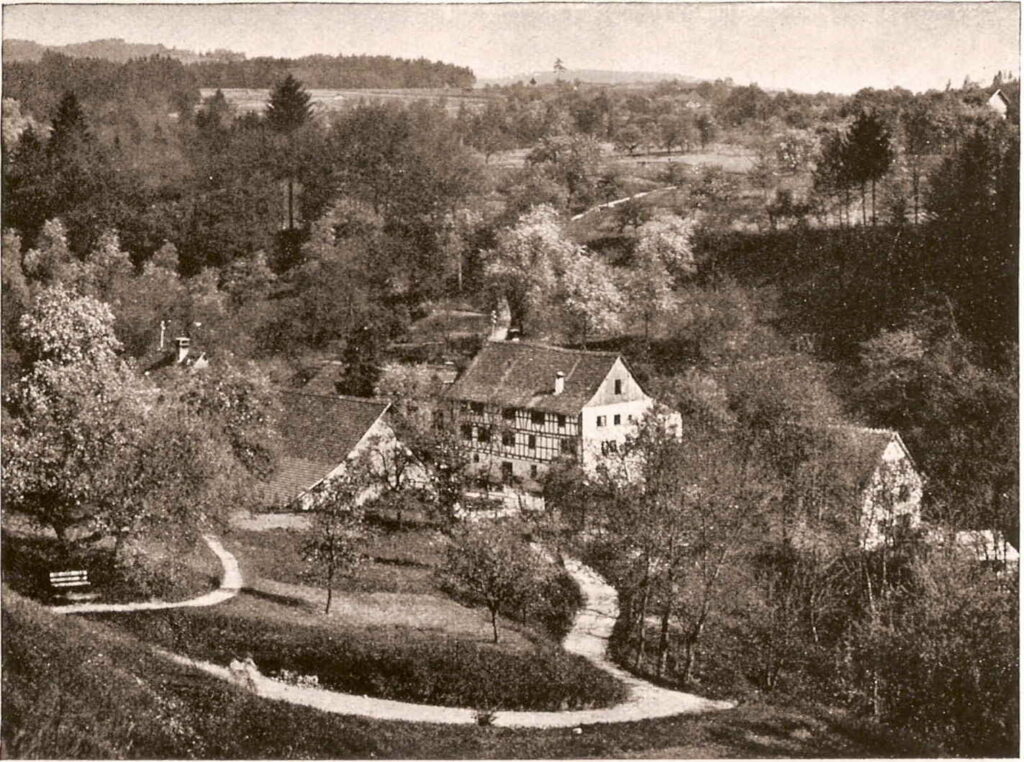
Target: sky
<point>837,47</point>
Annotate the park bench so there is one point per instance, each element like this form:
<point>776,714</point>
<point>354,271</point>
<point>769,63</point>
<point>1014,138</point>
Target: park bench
<point>66,584</point>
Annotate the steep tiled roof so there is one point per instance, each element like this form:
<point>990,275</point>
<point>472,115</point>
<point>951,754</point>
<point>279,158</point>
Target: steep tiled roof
<point>859,450</point>
<point>318,432</point>
<point>522,375</point>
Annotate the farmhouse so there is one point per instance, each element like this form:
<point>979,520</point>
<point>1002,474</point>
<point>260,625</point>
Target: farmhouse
<point>889,487</point>
<point>520,406</point>
<point>320,436</point>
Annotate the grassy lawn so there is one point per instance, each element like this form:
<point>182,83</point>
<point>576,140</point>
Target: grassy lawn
<point>390,633</point>
<point>81,689</point>
<point>162,572</point>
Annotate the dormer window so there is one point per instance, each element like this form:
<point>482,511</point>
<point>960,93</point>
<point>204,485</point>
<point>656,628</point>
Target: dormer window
<point>509,414</point>
<point>618,386</point>
<point>537,418</point>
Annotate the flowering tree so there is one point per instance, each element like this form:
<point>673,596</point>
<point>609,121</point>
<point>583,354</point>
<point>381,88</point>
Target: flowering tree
<point>525,263</point>
<point>591,300</point>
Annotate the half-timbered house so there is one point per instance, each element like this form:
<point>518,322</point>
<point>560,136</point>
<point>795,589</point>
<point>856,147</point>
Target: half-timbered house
<point>520,406</point>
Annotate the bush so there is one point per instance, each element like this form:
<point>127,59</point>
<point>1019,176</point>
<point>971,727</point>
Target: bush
<point>448,673</point>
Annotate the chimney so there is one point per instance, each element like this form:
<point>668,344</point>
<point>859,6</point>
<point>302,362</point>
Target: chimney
<point>559,382</point>
<point>182,343</point>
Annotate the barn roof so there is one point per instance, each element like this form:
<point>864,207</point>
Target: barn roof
<point>522,375</point>
<point>318,432</point>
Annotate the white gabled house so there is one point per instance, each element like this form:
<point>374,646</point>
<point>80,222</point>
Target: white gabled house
<point>520,406</point>
<point>889,486</point>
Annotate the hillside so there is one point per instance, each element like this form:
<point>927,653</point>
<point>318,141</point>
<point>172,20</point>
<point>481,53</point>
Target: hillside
<point>115,49</point>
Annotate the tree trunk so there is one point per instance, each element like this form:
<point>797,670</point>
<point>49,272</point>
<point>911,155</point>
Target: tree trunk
<point>863,204</point>
<point>874,215</point>
<point>666,613</point>
<point>494,623</point>
<point>330,587</point>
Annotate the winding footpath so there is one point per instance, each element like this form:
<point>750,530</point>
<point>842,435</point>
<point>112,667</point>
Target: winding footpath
<point>588,638</point>
<point>230,585</point>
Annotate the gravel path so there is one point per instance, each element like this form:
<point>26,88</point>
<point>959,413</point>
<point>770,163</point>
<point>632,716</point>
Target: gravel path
<point>230,584</point>
<point>588,638</point>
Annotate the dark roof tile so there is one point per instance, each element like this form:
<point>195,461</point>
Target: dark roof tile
<point>317,433</point>
<point>522,375</point>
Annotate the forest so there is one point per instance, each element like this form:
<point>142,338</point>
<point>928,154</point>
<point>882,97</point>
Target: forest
<point>800,261</point>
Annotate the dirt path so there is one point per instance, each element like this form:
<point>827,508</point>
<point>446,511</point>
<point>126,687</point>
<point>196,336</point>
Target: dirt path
<point>230,584</point>
<point>618,201</point>
<point>588,638</point>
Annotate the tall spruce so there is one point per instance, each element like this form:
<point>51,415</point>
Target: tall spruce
<point>289,106</point>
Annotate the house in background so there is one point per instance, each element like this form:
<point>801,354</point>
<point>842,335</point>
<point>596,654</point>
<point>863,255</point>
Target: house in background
<point>888,484</point>
<point>320,436</point>
<point>520,406</point>
<point>999,103</point>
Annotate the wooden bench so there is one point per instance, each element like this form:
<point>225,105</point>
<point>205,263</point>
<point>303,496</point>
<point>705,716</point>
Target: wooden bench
<point>65,584</point>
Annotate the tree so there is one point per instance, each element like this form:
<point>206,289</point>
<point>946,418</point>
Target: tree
<point>667,239</point>
<point>288,111</point>
<point>490,565</point>
<point>85,451</point>
<point>831,175</point>
<point>920,138</point>
<point>572,160</point>
<point>50,260</point>
<point>868,156</point>
<point>590,297</point>
<point>289,107</point>
<point>629,138</point>
<point>707,129</point>
<point>525,262</point>
<point>649,291</point>
<point>69,127</point>
<point>332,547</point>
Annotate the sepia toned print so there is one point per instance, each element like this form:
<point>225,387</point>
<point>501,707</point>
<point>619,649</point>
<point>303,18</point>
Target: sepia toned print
<point>548,380</point>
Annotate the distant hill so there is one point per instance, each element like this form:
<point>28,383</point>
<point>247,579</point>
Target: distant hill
<point>595,76</point>
<point>116,50</point>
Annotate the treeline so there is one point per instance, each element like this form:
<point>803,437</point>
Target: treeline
<point>341,71</point>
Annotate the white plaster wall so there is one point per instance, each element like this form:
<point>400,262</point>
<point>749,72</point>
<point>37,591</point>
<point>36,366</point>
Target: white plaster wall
<point>881,503</point>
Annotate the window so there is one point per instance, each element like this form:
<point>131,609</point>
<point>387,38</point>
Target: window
<point>506,471</point>
<point>561,420</point>
<point>609,446</point>
<point>509,414</point>
<point>508,438</point>
<point>531,442</point>
<point>537,418</point>
<point>630,418</point>
<point>484,434</point>
<point>567,446</point>
<point>904,494</point>
<point>617,420</point>
<point>618,386</point>
<point>602,420</point>
<point>477,407</point>
<point>533,470</point>
<point>467,431</point>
